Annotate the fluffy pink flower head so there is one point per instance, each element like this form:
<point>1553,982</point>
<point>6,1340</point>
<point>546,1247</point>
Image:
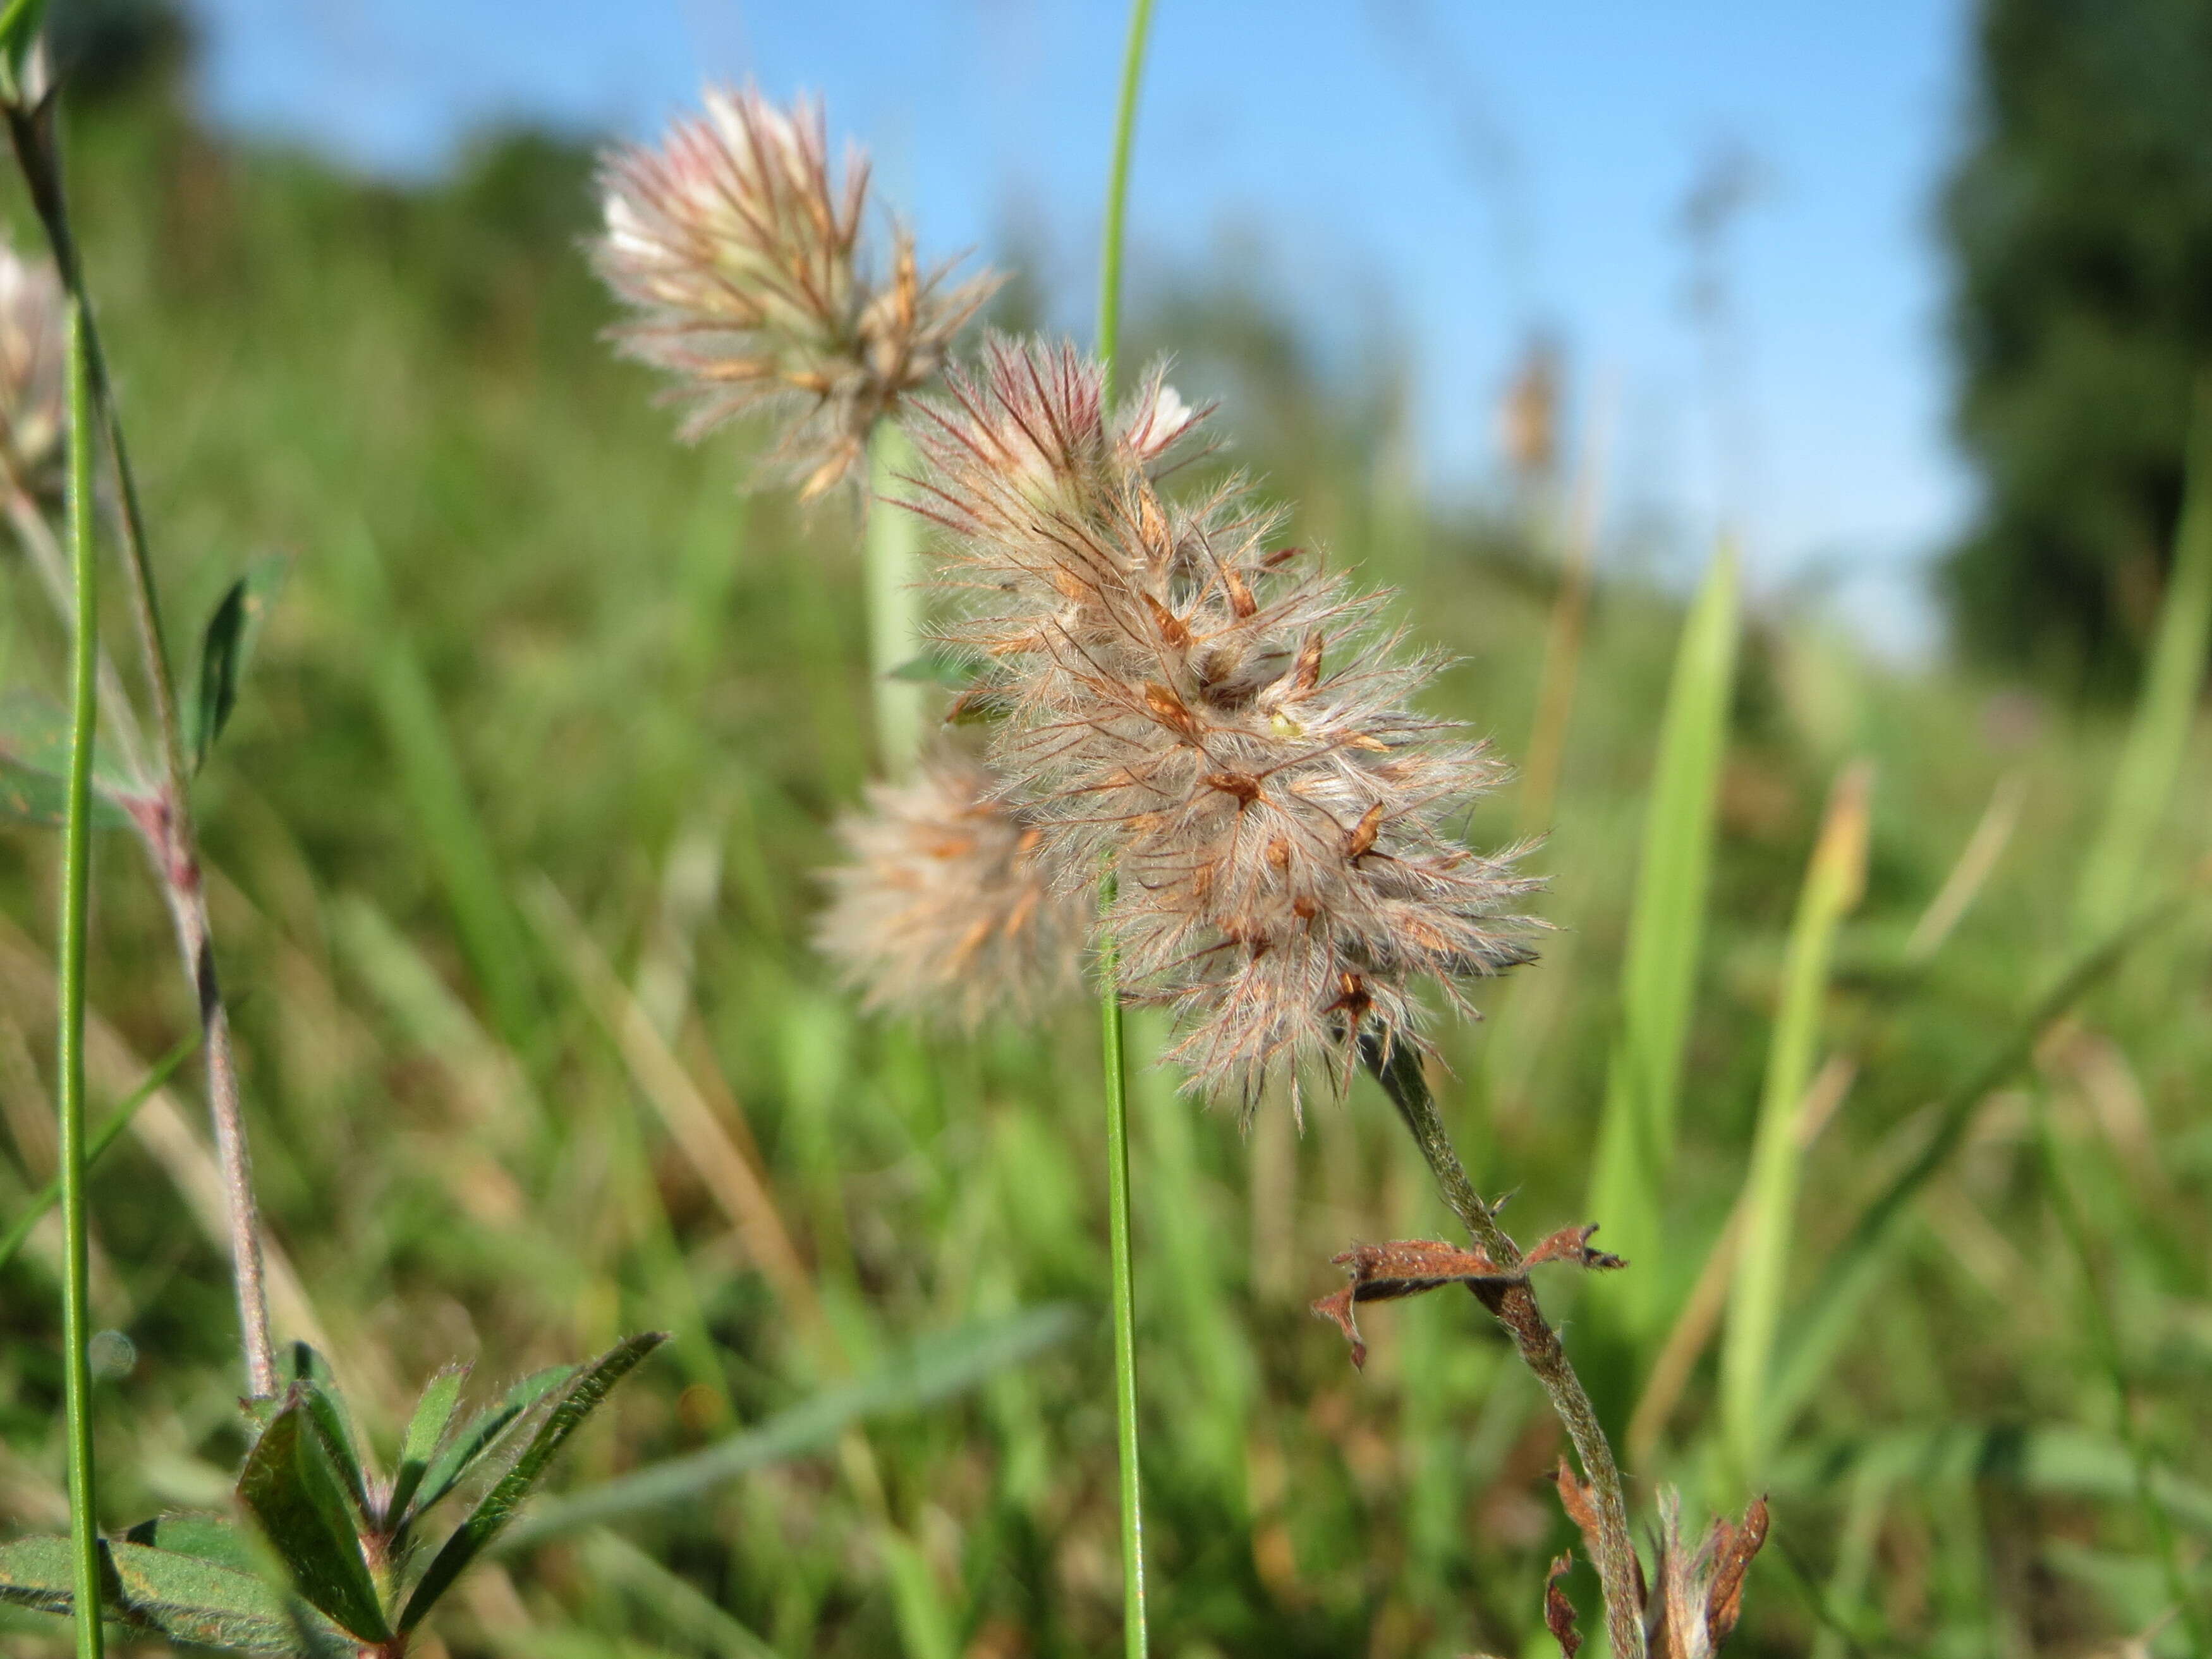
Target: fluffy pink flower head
<point>1226,729</point>
<point>34,343</point>
<point>738,248</point>
<point>941,909</point>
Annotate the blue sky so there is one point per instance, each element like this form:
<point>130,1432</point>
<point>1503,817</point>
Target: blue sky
<point>1463,169</point>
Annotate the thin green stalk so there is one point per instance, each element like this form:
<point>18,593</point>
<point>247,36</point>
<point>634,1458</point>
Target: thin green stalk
<point>891,544</point>
<point>1125,1298</point>
<point>1109,978</point>
<point>1117,189</point>
<point>76,881</point>
<point>2105,1337</point>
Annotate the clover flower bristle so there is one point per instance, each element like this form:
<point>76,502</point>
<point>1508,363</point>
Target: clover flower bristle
<point>1224,726</point>
<point>738,248</point>
<point>941,908</point>
<point>33,411</point>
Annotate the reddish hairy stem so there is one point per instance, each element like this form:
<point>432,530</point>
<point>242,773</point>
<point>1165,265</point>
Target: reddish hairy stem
<point>1512,1302</point>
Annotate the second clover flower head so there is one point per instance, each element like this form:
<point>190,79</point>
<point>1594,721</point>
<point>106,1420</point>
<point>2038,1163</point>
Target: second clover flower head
<point>737,246</point>
<point>1227,729</point>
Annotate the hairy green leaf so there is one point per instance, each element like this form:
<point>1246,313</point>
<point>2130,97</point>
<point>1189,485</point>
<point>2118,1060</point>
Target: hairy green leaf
<point>426,1430</point>
<point>578,1401</point>
<point>318,1390</point>
<point>485,1432</point>
<point>294,1491</point>
<point>186,1595</point>
<point>225,648</point>
<point>196,1533</point>
<point>38,1573</point>
<point>955,670</point>
<point>34,752</point>
<point>193,1599</point>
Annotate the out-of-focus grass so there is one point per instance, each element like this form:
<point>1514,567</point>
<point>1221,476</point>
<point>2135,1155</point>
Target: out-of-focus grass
<point>580,664</point>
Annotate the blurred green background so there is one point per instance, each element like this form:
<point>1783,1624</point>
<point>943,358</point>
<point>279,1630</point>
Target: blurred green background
<point>513,849</point>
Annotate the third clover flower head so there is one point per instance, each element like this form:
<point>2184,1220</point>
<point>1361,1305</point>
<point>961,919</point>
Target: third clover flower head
<point>33,341</point>
<point>738,248</point>
<point>1224,728</point>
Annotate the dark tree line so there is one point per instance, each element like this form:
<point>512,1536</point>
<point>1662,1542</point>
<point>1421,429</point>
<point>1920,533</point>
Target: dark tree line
<point>2080,224</point>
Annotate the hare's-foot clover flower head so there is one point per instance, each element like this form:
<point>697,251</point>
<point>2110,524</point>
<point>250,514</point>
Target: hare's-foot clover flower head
<point>941,909</point>
<point>1225,727</point>
<point>737,246</point>
<point>33,344</point>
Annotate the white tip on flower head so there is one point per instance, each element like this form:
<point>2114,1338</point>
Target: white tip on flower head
<point>736,243</point>
<point>1159,421</point>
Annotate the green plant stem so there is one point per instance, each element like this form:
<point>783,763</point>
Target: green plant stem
<point>171,839</point>
<point>1109,978</point>
<point>1115,1064</point>
<point>891,544</point>
<point>76,881</point>
<point>2104,1336</point>
<point>1512,1302</point>
<point>1117,190</point>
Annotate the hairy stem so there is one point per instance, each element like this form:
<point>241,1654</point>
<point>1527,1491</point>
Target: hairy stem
<point>1135,1641</point>
<point>76,880</point>
<point>1512,1302</point>
<point>166,822</point>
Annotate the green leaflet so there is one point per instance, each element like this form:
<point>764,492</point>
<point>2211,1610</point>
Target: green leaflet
<point>426,1430</point>
<point>485,1432</point>
<point>295,1494</point>
<point>226,647</point>
<point>578,1401</point>
<point>186,1596</point>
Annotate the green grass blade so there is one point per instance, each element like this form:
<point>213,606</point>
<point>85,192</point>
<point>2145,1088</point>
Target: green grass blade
<point>108,1133</point>
<point>1666,937</point>
<point>430,774</point>
<point>2158,739</point>
<point>76,887</point>
<point>933,1370</point>
<point>585,1394</point>
<point>1833,883</point>
<point>1858,1265</point>
<point>2105,1340</point>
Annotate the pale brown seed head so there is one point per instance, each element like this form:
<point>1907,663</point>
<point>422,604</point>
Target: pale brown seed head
<point>737,246</point>
<point>33,330</point>
<point>941,909</point>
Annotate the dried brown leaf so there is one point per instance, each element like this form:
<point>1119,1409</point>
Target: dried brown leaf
<point>1559,1611</point>
<point>1731,1551</point>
